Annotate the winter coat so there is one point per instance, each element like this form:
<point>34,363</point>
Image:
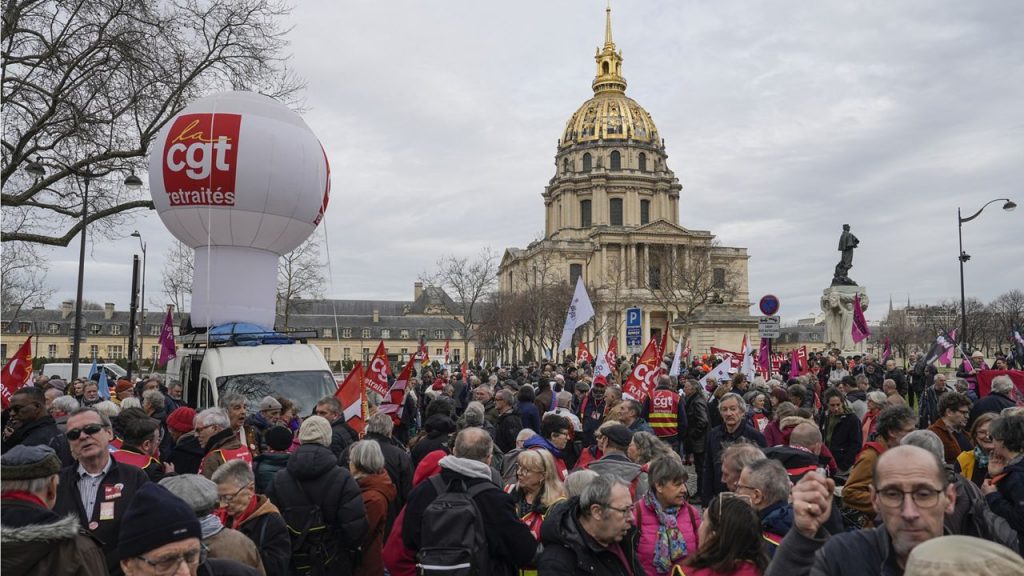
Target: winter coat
<point>846,439</point>
<point>930,406</point>
<point>255,427</point>
<point>233,545</point>
<point>856,492</point>
<point>41,432</point>
<point>378,496</point>
<point>953,442</point>
<point>776,520</point>
<point>971,515</point>
<point>857,553</point>
<point>773,435</point>
<point>992,403</point>
<point>437,429</point>
<point>313,472</point>
<point>541,443</point>
<point>529,416</point>
<point>646,521</point>
<point>640,425</point>
<point>35,541</point>
<point>265,466</point>
<point>506,429</point>
<point>509,542</point>
<point>398,465</point>
<point>718,440</point>
<point>591,415</point>
<point>187,454</point>
<point>569,550</point>
<point>342,436</point>
<point>542,402</point>
<point>743,569</point>
<point>267,530</point>
<point>224,567</point>
<point>224,440</point>
<point>620,465</point>
<point>118,486</point>
<point>490,413</point>
<point>1008,499</point>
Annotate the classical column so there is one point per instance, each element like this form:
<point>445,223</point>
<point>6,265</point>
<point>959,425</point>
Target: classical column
<point>604,263</point>
<point>646,270</point>
<point>632,283</point>
<point>645,330</point>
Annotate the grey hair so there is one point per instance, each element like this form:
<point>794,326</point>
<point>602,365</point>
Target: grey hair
<point>35,485</point>
<point>577,481</point>
<point>233,399</point>
<point>108,408</point>
<point>159,378</point>
<point>1002,384</point>
<point>474,444</point>
<point>154,398</point>
<point>104,419</point>
<point>332,403</point>
<point>861,379</point>
<point>474,414</point>
<point>381,424</point>
<point>366,457</point>
<point>564,399</point>
<point>664,470</point>
<point>770,477</point>
<point>877,396</point>
<point>213,417</point>
<point>130,402</point>
<point>506,396</point>
<point>733,396</point>
<point>599,491</point>
<point>649,447</point>
<point>237,472</point>
<point>739,456</point>
<point>928,440</point>
<point>65,403</point>
<point>525,434</point>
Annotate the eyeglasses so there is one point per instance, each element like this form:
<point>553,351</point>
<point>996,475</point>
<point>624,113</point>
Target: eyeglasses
<point>88,429</point>
<point>628,510</point>
<point>228,498</point>
<point>525,470</point>
<point>923,497</point>
<point>167,565</point>
<point>201,428</point>
<point>744,487</point>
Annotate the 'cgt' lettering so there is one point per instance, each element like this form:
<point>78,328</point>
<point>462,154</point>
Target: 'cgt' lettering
<point>200,159</point>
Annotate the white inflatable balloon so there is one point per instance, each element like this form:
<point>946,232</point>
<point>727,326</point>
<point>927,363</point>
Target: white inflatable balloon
<point>243,180</point>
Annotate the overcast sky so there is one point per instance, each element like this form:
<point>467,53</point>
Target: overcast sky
<point>783,120</point>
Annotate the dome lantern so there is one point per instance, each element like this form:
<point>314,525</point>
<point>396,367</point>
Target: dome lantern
<point>609,62</point>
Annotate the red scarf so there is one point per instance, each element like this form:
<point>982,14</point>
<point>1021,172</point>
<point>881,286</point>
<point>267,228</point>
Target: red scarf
<point>253,504</point>
<point>22,496</point>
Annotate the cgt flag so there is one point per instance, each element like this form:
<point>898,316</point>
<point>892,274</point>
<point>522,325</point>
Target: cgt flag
<point>16,372</point>
<point>351,395</point>
<point>167,348</point>
<point>582,354</point>
<point>580,312</point>
<point>642,380</point>
<point>376,378</point>
<point>860,330</point>
<point>395,399</point>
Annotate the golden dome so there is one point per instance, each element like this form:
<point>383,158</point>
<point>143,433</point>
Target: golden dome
<point>610,114</point>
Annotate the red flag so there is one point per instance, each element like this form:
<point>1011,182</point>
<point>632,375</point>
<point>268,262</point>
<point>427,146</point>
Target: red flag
<point>445,352</point>
<point>376,378</point>
<point>663,344</point>
<point>395,399</point>
<point>465,372</point>
<point>686,350</point>
<point>352,393</point>
<point>422,354</point>
<point>167,348</point>
<point>642,380</point>
<point>613,353</point>
<point>582,354</point>
<point>17,372</point>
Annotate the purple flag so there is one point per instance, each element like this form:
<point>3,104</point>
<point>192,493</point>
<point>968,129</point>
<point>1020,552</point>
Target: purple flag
<point>167,349</point>
<point>950,344</point>
<point>860,324</point>
<point>764,353</point>
<point>886,350</point>
<point>794,363</point>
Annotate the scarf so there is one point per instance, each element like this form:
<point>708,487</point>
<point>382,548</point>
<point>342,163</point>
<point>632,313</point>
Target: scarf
<point>466,467</point>
<point>210,525</point>
<point>253,504</point>
<point>23,496</point>
<point>980,459</point>
<point>669,547</point>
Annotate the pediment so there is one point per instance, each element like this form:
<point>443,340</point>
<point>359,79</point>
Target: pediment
<point>666,228</point>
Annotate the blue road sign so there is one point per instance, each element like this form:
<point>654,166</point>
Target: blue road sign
<point>769,305</point>
<point>634,334</point>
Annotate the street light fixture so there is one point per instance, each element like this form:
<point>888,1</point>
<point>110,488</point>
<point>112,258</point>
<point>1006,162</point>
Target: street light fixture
<point>142,319</point>
<point>964,257</point>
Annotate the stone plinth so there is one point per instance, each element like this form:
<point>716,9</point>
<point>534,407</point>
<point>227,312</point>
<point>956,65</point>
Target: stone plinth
<point>837,304</point>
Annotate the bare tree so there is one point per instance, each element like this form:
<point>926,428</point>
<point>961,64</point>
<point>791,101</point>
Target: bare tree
<point>299,275</point>
<point>179,267</point>
<point>687,281</point>
<point>87,84</point>
<point>468,282</point>
<point>1007,313</point>
<point>22,279</point>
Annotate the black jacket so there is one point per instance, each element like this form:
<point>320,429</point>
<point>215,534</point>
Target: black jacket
<point>37,542</point>
<point>268,531</point>
<point>509,542</point>
<point>568,549</point>
<point>118,486</point>
<point>316,469</point>
<point>41,432</point>
<point>860,553</point>
<point>1008,500</point>
<point>187,454</point>
<point>342,436</point>
<point>718,440</point>
<point>697,422</point>
<point>846,442</point>
<point>991,403</point>
<point>438,427</point>
<point>507,428</point>
<point>397,463</point>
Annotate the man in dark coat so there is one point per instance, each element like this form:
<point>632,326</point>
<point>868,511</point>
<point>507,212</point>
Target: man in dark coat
<point>98,488</point>
<point>35,540</point>
<point>314,477</point>
<point>997,399</point>
<point>342,435</point>
<point>734,429</point>
<point>31,425</point>
<point>696,433</point>
<point>590,534</point>
<point>508,423</point>
<point>510,545</point>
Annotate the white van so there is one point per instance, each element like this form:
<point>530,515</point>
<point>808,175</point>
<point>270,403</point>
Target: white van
<point>297,371</point>
<point>63,371</point>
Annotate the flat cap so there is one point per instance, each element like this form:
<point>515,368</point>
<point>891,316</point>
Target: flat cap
<point>29,462</point>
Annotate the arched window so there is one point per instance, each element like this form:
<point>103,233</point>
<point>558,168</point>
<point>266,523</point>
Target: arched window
<point>615,210</point>
<point>585,213</point>
<point>643,162</point>
<point>604,66</point>
<point>586,162</point>
<point>645,211</point>
<point>616,160</point>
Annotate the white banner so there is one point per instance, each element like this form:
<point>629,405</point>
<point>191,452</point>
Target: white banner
<point>580,311</point>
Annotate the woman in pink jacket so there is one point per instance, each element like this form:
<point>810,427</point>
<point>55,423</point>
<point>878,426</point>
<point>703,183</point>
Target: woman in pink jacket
<point>667,524</point>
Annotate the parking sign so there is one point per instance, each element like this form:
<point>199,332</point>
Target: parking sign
<point>634,334</point>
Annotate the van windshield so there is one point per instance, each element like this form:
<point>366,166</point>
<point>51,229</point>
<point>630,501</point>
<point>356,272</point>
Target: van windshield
<point>304,388</point>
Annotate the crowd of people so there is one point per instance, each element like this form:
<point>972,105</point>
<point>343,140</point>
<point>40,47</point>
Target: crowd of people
<point>855,467</point>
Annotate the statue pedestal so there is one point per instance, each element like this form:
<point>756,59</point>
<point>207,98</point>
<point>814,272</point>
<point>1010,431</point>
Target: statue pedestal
<point>837,304</point>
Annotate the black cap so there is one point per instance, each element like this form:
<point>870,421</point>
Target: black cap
<point>154,518</point>
<point>618,435</point>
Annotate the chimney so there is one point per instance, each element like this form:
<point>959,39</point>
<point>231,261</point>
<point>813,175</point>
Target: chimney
<point>417,290</point>
<point>376,316</point>
<point>67,308</point>
<point>108,310</point>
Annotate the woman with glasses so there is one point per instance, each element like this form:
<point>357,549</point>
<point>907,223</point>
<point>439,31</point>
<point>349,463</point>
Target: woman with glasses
<point>974,463</point>
<point>667,525</point>
<point>1004,491</point>
<point>537,489</point>
<point>730,540</point>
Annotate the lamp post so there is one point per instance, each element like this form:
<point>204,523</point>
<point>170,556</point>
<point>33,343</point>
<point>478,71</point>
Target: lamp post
<point>142,318</point>
<point>964,257</point>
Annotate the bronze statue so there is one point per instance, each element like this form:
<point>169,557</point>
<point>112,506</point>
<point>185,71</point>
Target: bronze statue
<point>847,243</point>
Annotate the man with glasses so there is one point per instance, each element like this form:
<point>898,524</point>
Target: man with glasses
<point>97,488</point>
<point>591,530</point>
<point>954,410</point>
<point>910,492</point>
<point>766,482</point>
<point>219,441</point>
<point>30,424</point>
<point>162,537</point>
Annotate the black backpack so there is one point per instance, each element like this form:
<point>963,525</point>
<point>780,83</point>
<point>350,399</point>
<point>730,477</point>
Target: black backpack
<point>453,541</point>
<point>314,544</point>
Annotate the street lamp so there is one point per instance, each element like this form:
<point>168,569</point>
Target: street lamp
<point>964,257</point>
<point>142,319</point>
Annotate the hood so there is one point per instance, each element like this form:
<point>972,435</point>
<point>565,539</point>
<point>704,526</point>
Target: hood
<point>777,518</point>
<point>34,536</point>
<point>264,507</point>
<point>617,464</point>
<point>311,461</point>
<point>189,444</point>
<point>857,395</point>
<point>380,483</point>
<point>222,439</point>
<point>438,425</point>
<point>539,441</point>
<point>257,420</point>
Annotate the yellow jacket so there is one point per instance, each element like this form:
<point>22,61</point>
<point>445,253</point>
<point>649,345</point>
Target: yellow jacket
<point>856,492</point>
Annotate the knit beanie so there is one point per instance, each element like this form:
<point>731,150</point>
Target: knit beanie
<point>181,420</point>
<point>279,438</point>
<point>315,430</point>
<point>155,517</point>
